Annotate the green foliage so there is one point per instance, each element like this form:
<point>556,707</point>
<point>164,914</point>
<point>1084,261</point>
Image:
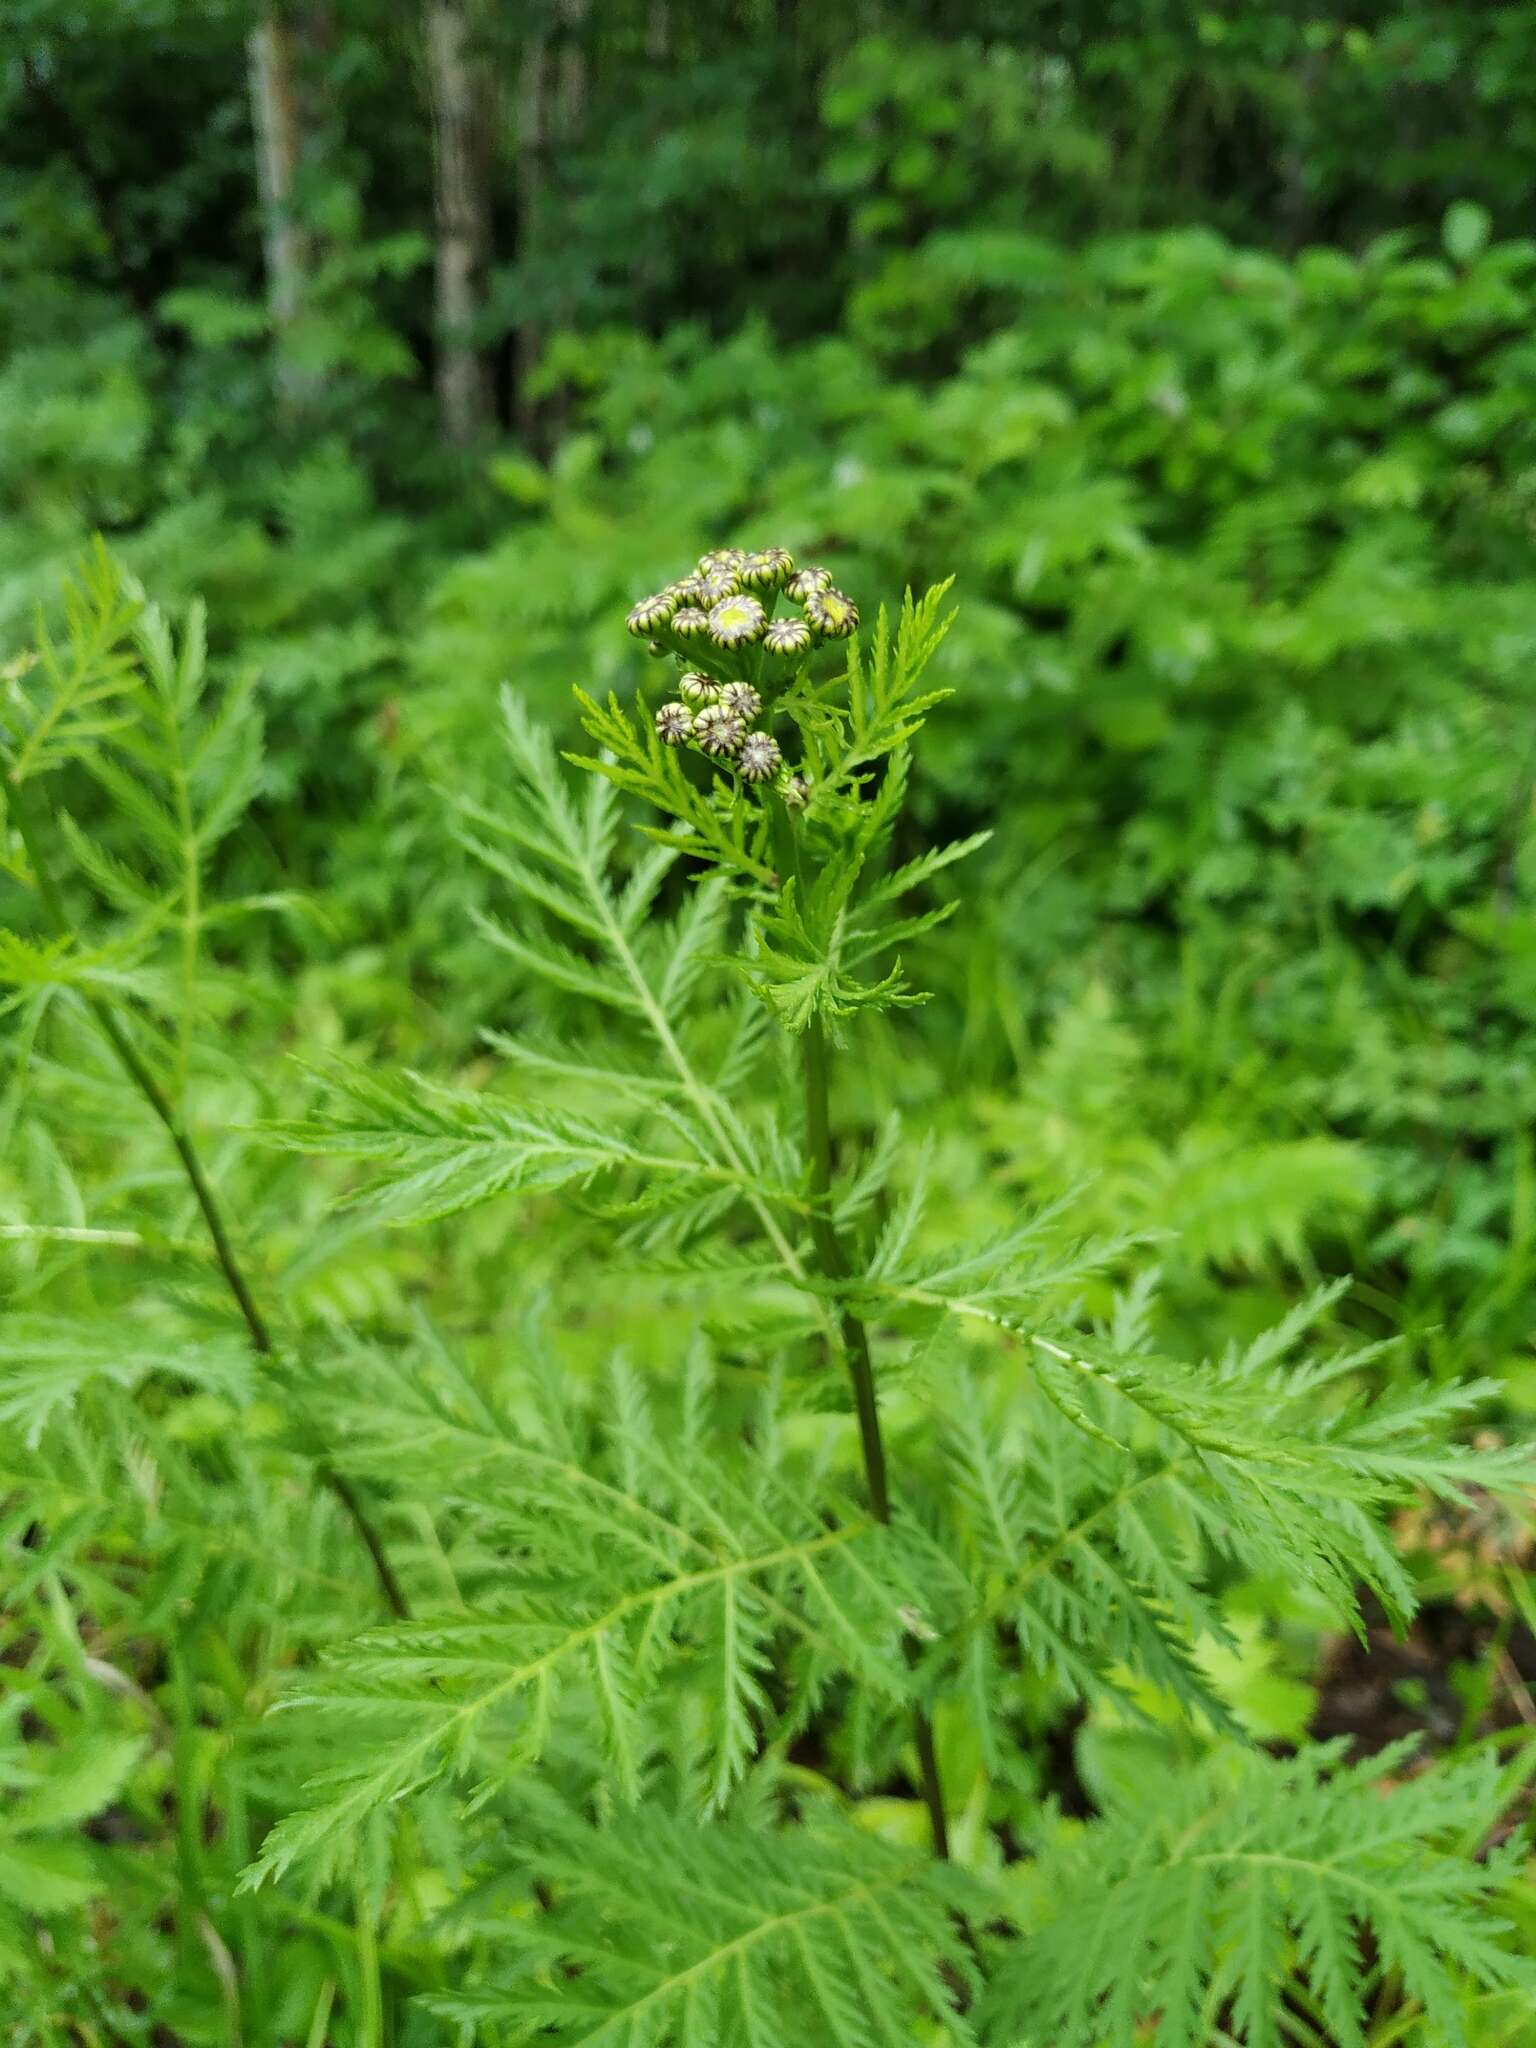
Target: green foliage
<point>44,1870</point>
<point>1102,1531</point>
<point>666,1579</point>
<point>77,699</point>
<point>678,1933</point>
<point>458,1218</point>
<point>643,1598</point>
<point>1215,1887</point>
<point>1246,605</point>
<point>122,706</point>
<point>621,1587</point>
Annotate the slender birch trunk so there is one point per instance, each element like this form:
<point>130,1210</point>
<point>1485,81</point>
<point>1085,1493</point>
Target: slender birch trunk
<point>532,144</point>
<point>552,98</point>
<point>463,133</point>
<point>571,100</point>
<point>279,128</point>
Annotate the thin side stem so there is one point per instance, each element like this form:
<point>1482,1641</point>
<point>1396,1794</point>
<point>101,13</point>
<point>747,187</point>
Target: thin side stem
<point>169,1116</point>
<point>833,1257</point>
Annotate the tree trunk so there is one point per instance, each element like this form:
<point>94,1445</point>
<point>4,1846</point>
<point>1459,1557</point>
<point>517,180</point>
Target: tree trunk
<point>571,105</point>
<point>1295,159</point>
<point>552,97</point>
<point>463,130</point>
<point>275,111</point>
<point>532,141</point>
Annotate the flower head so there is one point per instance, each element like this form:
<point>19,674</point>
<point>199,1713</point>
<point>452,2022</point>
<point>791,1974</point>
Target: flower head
<point>735,622</point>
<point>721,600</point>
<point>650,613</point>
<point>787,636</point>
<point>742,699</point>
<point>806,582</point>
<point>832,614</point>
<point>769,569</point>
<point>719,731</point>
<point>759,756</point>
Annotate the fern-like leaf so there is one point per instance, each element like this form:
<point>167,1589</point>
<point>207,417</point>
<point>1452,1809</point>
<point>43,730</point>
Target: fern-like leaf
<point>436,1150</point>
<point>1227,1884</point>
<point>652,1567</point>
<point>675,1935</point>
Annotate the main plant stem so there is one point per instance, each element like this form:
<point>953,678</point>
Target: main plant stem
<point>832,1255</point>
<point>169,1116</point>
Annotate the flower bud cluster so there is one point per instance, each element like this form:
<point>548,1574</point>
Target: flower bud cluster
<point>728,601</point>
<point>723,616</point>
<point>716,718</point>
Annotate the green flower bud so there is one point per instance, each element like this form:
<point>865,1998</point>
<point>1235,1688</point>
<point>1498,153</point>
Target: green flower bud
<point>719,731</point>
<point>759,757</point>
<point>685,589</point>
<point>699,688</point>
<point>690,622</point>
<point>806,582</point>
<point>736,622</point>
<point>767,570</point>
<point>787,636</point>
<point>832,614</point>
<point>795,790</point>
<point>650,613</point>
<point>742,699</point>
<point>718,584</point>
<point>674,722</point>
<point>728,559</point>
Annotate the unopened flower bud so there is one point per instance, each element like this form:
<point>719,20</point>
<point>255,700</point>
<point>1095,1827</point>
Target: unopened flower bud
<point>795,790</point>
<point>742,699</point>
<point>767,570</point>
<point>690,623</point>
<point>674,722</point>
<point>806,582</point>
<point>735,622</point>
<point>728,559</point>
<point>717,584</point>
<point>832,614</point>
<point>650,613</point>
<point>787,636</point>
<point>699,688</point>
<point>718,731</point>
<point>685,589</point>
<point>759,756</point>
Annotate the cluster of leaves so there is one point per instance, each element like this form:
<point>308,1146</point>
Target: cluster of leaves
<point>1081,1522</point>
<point>1243,549</point>
<point>1247,611</point>
<point>1243,543</point>
<point>650,1690</point>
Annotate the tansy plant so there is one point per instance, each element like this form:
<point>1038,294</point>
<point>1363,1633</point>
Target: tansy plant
<point>717,1696</point>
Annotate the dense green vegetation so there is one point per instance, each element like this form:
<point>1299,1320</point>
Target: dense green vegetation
<point>1197,349</point>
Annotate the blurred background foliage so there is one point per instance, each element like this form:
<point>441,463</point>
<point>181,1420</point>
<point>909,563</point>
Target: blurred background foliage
<point>1196,342</point>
